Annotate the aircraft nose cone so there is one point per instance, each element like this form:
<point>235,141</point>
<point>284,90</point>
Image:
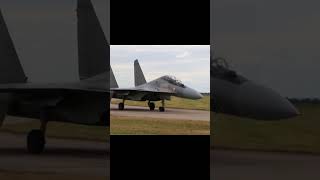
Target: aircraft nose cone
<point>264,103</point>
<point>191,93</point>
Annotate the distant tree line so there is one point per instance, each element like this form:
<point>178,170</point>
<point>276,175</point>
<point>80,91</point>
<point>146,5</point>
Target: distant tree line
<point>305,100</point>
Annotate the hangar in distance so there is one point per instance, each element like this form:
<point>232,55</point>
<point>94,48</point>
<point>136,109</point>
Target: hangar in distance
<point>236,95</point>
<point>81,102</point>
<point>160,89</point>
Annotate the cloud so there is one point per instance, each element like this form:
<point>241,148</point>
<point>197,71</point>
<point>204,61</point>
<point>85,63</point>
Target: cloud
<point>183,55</point>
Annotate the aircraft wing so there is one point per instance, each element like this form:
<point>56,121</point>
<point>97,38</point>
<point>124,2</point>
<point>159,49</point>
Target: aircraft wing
<point>134,90</point>
<point>81,103</point>
<point>140,94</point>
<point>53,88</point>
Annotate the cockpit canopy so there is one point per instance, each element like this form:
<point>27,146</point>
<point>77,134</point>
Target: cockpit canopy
<point>220,63</point>
<point>220,69</point>
<point>173,80</point>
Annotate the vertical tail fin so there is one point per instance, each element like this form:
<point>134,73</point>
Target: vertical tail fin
<point>113,81</point>
<point>10,68</point>
<point>138,74</point>
<point>93,47</point>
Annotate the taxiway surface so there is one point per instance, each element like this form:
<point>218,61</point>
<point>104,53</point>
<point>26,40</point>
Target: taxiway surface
<point>61,156</point>
<point>170,113</point>
<point>249,165</point>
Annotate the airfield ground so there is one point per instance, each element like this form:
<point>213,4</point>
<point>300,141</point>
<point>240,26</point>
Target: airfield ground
<point>119,125</point>
<point>182,117</point>
<point>299,134</point>
<point>253,165</point>
<point>235,145</point>
<point>175,102</point>
<point>40,176</point>
<point>57,129</point>
<point>157,126</point>
<point>79,151</point>
<point>62,158</point>
<point>72,152</point>
<point>285,150</point>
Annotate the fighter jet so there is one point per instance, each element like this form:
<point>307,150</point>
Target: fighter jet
<point>160,89</point>
<point>82,102</point>
<point>236,95</point>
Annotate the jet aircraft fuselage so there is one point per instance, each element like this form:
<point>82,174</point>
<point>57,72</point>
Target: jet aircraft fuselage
<point>84,101</point>
<point>159,89</point>
<point>236,95</point>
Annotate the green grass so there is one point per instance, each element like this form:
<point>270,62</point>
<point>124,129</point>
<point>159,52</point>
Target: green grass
<point>61,130</point>
<point>175,102</point>
<point>130,125</point>
<point>299,134</point>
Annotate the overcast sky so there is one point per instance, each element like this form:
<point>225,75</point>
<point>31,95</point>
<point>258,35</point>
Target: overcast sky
<point>276,43</point>
<point>188,63</point>
<point>45,35</point>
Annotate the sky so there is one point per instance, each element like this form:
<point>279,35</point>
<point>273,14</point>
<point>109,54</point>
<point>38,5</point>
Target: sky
<point>45,36</point>
<point>190,64</point>
<point>275,43</point>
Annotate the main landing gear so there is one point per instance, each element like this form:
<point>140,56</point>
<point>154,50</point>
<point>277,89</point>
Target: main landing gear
<point>121,105</point>
<point>36,139</point>
<point>162,109</point>
<point>151,106</point>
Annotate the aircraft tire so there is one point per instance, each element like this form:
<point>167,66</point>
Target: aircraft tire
<point>152,106</point>
<point>121,106</point>
<point>35,141</point>
<point>161,109</point>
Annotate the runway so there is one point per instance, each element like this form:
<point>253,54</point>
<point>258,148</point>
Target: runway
<point>61,156</point>
<point>248,165</point>
<point>170,113</point>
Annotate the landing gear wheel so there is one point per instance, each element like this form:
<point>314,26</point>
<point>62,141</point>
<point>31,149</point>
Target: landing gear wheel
<point>36,141</point>
<point>161,109</point>
<point>121,106</point>
<point>152,106</point>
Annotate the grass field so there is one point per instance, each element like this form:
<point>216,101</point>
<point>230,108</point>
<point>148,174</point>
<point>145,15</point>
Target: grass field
<point>61,130</point>
<point>175,102</point>
<point>299,134</point>
<point>129,125</point>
